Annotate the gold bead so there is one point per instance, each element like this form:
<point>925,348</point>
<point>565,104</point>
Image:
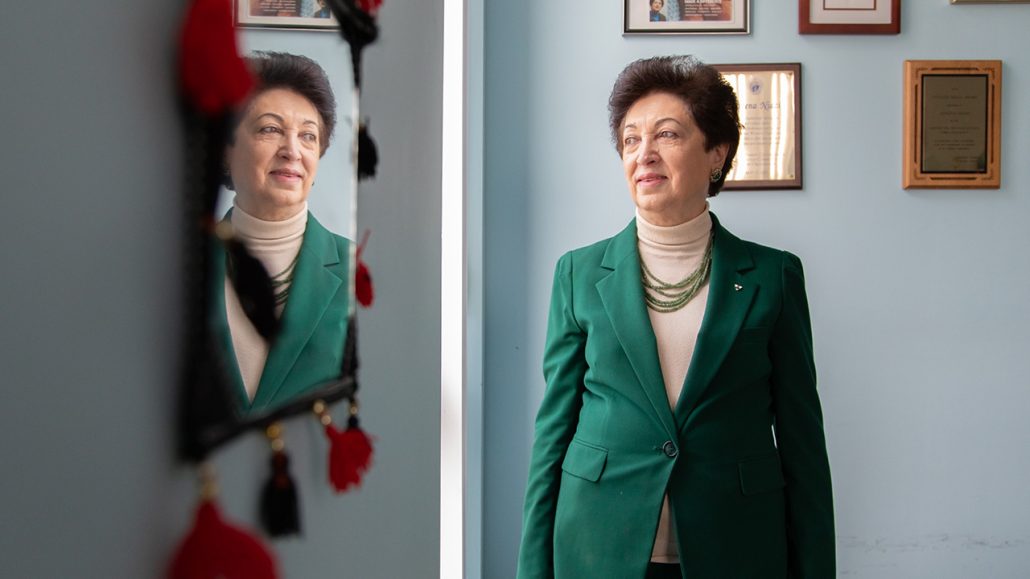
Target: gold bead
<point>224,230</point>
<point>274,431</point>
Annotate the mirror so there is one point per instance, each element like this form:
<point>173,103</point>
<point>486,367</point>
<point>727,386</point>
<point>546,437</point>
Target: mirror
<point>287,209</point>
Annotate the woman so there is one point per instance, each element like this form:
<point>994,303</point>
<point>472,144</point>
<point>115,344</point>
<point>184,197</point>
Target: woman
<point>680,434</point>
<point>656,11</point>
<point>272,161</point>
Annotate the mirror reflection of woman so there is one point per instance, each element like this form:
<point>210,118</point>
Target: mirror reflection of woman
<point>272,161</point>
<point>680,433</point>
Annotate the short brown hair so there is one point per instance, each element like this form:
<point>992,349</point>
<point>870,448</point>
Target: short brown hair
<point>707,95</point>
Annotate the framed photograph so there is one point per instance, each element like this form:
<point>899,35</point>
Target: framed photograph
<point>849,16</point>
<point>297,14</point>
<point>686,17</point>
<point>769,97</point>
<point>952,124</point>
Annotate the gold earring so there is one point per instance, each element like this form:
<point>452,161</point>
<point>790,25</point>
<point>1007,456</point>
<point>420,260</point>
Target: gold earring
<point>716,175</point>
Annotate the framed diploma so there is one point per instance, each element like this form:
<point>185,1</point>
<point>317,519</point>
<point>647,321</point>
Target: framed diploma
<point>952,128</point>
<point>849,16</point>
<point>686,17</point>
<point>769,97</point>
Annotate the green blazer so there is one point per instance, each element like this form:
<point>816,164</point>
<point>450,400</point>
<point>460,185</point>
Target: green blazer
<point>309,348</point>
<point>745,503</point>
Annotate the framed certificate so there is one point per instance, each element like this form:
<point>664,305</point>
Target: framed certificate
<point>686,17</point>
<point>952,128</point>
<point>849,16</point>
<point>769,97</point>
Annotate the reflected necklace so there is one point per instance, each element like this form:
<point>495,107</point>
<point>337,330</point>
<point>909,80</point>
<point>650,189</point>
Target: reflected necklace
<point>672,297</point>
<point>282,281</point>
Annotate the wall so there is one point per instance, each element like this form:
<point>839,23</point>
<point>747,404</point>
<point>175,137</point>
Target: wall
<point>89,231</point>
<point>917,297</point>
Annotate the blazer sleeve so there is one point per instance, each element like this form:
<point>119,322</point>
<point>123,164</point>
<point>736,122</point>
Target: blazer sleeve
<point>564,369</point>
<point>799,434</point>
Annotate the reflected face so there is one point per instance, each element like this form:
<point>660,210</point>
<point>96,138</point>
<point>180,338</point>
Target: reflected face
<point>274,156</point>
<point>663,155</point>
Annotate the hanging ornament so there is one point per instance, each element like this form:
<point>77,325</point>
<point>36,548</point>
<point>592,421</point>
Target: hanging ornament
<point>364,291</point>
<point>368,154</point>
<point>251,281</point>
<point>350,450</point>
<point>215,549</point>
<point>214,77</point>
<point>358,28</point>
<point>280,512</point>
<point>370,6</point>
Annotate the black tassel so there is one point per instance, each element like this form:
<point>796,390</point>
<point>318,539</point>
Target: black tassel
<point>280,513</point>
<point>357,27</point>
<point>368,153</point>
<point>254,288</point>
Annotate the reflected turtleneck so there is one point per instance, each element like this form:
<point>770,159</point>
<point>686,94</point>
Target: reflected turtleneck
<point>672,254</point>
<point>276,244</point>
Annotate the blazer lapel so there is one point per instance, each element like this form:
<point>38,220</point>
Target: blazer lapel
<point>315,283</point>
<point>623,298</point>
<point>729,297</point>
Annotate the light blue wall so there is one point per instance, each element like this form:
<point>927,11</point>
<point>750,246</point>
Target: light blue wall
<point>90,307</point>
<point>918,297</point>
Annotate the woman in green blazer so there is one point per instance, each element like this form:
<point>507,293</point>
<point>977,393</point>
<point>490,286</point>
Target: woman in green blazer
<point>680,434</point>
<point>271,162</point>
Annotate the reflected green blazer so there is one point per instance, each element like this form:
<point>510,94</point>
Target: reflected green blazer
<point>742,455</point>
<point>309,348</point>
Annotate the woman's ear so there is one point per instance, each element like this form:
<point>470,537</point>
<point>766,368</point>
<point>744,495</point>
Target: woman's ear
<point>718,155</point>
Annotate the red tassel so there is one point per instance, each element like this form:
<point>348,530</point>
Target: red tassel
<point>214,549</point>
<point>370,6</point>
<point>363,288</point>
<point>214,77</point>
<point>350,455</point>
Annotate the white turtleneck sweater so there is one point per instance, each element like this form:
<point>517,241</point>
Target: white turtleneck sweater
<point>275,244</point>
<point>673,253</point>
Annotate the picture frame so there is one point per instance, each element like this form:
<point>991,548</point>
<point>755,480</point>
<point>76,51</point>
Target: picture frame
<point>849,16</point>
<point>769,101</point>
<point>687,17</point>
<point>290,14</point>
<point>952,124</point>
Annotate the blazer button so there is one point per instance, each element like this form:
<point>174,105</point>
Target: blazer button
<point>669,449</point>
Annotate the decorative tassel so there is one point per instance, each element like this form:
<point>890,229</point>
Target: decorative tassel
<point>363,288</point>
<point>370,6</point>
<point>350,450</point>
<point>214,77</point>
<point>357,27</point>
<point>251,282</point>
<point>280,513</point>
<point>368,153</point>
<point>214,549</point>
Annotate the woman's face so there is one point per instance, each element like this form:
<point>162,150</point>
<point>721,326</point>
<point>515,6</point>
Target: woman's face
<point>656,5</point>
<point>664,157</point>
<point>274,155</point>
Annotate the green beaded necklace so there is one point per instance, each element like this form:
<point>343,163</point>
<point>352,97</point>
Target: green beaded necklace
<point>678,294</point>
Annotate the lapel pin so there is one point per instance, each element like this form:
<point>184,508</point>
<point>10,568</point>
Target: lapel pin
<point>737,287</point>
